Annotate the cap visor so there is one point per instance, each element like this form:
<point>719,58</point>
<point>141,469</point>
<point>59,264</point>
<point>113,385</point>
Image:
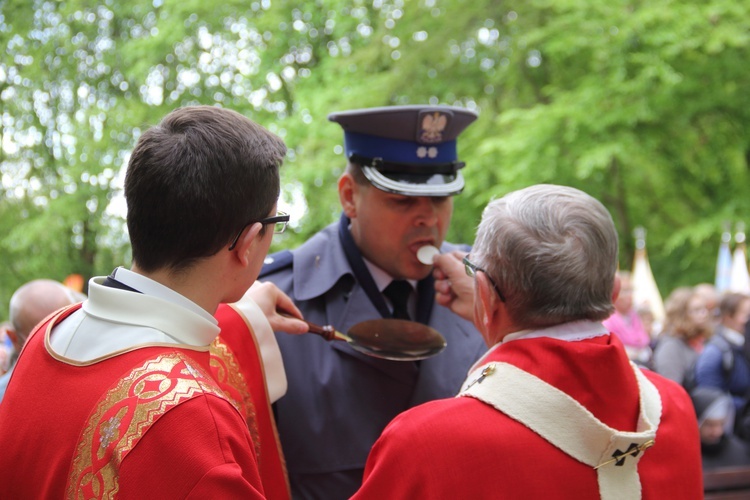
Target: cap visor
<point>416,184</point>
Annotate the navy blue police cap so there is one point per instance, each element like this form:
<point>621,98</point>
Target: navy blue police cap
<point>409,150</point>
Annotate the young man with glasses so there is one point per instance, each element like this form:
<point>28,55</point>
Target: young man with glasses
<point>397,197</point>
<point>117,397</point>
<point>554,409</point>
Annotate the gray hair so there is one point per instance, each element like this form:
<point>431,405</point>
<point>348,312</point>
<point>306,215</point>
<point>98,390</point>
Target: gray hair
<point>552,250</point>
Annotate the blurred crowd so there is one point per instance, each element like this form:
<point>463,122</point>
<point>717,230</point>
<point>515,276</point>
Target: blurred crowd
<point>702,345</point>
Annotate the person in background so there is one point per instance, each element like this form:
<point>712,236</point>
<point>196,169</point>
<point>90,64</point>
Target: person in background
<point>722,363</point>
<point>742,423</point>
<point>719,446</point>
<point>30,304</point>
<point>397,197</point>
<point>6,348</point>
<point>711,298</point>
<point>626,323</point>
<point>137,411</point>
<point>648,320</point>
<point>687,325</point>
<point>555,407</point>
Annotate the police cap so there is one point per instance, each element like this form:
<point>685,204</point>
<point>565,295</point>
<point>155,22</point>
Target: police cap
<point>409,150</point>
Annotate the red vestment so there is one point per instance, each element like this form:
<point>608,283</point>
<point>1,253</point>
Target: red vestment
<point>237,366</point>
<point>464,448</point>
<point>146,423</point>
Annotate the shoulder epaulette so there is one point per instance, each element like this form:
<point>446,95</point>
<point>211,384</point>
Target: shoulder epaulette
<point>276,262</point>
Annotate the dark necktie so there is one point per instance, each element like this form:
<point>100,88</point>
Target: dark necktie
<point>398,293</point>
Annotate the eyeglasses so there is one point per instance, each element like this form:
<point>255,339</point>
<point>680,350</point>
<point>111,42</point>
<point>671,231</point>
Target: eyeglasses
<point>280,220</point>
<point>471,271</point>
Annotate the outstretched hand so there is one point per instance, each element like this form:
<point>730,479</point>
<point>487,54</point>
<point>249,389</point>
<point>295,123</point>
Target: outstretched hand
<point>279,309</point>
<point>453,288</point>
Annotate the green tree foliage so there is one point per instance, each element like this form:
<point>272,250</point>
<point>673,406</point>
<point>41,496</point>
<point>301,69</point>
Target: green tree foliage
<point>643,105</point>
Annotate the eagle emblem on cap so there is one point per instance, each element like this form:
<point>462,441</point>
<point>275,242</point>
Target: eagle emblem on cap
<point>432,127</point>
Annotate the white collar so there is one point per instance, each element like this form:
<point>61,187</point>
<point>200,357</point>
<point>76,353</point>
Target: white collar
<point>571,331</point>
<point>154,309</point>
<point>155,289</point>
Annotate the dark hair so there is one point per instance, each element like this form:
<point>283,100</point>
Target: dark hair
<point>194,181</point>
<point>730,302</point>
<point>355,169</point>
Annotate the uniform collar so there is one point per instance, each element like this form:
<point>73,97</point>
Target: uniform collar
<point>383,279</point>
<point>331,256</point>
<point>319,264</point>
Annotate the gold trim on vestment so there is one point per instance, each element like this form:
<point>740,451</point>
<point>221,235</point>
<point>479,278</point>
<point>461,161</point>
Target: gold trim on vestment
<point>227,372</point>
<point>124,414</point>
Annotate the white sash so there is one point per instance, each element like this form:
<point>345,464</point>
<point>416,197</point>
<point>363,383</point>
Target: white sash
<point>569,426</point>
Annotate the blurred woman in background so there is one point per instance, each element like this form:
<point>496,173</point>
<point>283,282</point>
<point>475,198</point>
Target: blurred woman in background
<point>626,323</point>
<point>686,327</point>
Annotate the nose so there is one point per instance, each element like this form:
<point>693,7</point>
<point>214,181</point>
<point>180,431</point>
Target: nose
<point>427,212</point>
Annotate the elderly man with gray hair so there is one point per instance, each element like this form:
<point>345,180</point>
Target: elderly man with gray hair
<point>554,409</point>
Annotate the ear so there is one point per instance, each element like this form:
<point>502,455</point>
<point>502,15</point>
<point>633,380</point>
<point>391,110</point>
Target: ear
<point>247,242</point>
<point>348,189</point>
<point>490,302</point>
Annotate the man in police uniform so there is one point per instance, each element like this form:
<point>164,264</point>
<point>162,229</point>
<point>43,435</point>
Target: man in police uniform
<point>396,195</point>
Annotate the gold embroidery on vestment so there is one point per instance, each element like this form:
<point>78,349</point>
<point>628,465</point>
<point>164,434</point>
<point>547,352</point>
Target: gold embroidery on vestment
<point>229,375</point>
<point>124,414</point>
